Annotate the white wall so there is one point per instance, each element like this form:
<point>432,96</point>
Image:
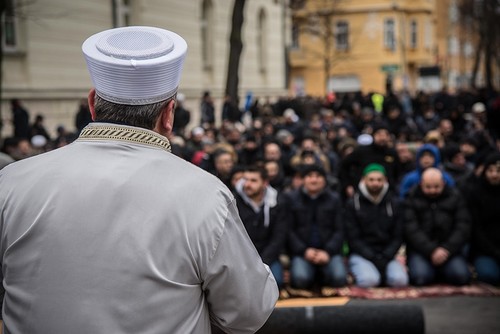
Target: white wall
<point>49,74</point>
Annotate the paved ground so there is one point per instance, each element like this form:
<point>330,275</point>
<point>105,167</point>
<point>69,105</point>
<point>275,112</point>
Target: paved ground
<point>453,315</point>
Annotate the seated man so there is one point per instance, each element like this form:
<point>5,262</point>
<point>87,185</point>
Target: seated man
<point>483,198</point>
<point>315,232</point>
<point>437,227</point>
<point>374,229</point>
<point>262,216</point>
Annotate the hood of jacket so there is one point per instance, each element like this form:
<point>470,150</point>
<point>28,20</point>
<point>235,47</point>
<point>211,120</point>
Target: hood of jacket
<point>269,201</point>
<point>428,148</point>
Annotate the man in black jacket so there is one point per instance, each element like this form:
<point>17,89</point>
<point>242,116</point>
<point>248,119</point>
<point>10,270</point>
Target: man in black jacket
<point>374,227</point>
<point>315,232</point>
<point>262,215</point>
<point>483,197</point>
<point>437,227</point>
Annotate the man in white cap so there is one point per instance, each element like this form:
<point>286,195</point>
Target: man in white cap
<point>115,234</point>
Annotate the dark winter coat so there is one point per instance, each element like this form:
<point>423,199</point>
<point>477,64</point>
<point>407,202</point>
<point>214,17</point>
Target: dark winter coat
<point>374,231</point>
<point>268,240</point>
<point>439,222</point>
<point>483,201</point>
<point>326,210</point>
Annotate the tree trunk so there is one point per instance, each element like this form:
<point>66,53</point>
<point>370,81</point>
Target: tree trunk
<point>3,7</point>
<point>477,59</point>
<point>489,29</point>
<point>236,47</point>
<point>328,50</point>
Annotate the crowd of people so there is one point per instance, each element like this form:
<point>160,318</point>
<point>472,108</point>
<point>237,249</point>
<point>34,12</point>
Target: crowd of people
<point>360,189</point>
<point>369,190</point>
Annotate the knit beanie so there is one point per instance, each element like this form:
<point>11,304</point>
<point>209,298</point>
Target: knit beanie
<point>374,167</point>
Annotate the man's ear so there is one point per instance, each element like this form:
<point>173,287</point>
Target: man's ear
<point>91,100</point>
<point>166,120</point>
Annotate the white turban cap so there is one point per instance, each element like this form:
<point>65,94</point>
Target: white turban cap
<point>135,65</point>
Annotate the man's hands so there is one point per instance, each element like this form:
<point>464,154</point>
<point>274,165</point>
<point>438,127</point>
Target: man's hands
<point>316,256</point>
<point>439,256</point>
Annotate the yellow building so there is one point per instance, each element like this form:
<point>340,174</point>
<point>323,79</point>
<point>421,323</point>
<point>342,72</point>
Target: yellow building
<point>364,45</point>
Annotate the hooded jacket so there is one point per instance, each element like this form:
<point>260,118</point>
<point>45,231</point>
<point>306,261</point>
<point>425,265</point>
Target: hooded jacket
<point>374,229</point>
<point>413,178</point>
<point>265,224</point>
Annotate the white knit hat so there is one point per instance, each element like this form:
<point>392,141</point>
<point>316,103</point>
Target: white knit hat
<point>135,65</point>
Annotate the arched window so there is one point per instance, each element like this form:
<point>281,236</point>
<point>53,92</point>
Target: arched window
<point>9,27</point>
<point>342,35</point>
<point>262,41</point>
<point>390,34</point>
<point>207,27</point>
<point>413,34</point>
<point>122,12</point>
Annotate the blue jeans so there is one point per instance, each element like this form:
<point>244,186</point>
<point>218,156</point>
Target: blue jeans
<point>422,272</point>
<point>488,269</point>
<point>303,274</point>
<point>277,271</point>
<point>366,275</point>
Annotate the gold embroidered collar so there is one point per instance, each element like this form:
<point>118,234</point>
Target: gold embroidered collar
<point>109,131</point>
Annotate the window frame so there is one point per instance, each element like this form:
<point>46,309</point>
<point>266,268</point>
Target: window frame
<point>413,34</point>
<point>390,34</point>
<point>10,22</point>
<point>122,13</point>
<point>342,35</point>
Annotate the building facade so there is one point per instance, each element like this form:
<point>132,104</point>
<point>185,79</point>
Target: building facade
<point>370,46</point>
<point>43,65</point>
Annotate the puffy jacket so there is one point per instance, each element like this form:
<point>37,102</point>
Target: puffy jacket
<point>439,222</point>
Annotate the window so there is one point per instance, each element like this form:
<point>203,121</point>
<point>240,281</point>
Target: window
<point>299,86</point>
<point>390,34</point>
<point>453,12</point>
<point>262,41</point>
<point>207,23</point>
<point>10,36</point>
<point>121,13</point>
<point>413,34</point>
<point>342,35</point>
<point>295,36</point>
<point>428,40</point>
<point>453,46</point>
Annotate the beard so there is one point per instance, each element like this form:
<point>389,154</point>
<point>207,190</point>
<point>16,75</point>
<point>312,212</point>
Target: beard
<point>374,191</point>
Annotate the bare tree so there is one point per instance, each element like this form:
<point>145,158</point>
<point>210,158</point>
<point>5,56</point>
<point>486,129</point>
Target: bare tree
<point>481,17</point>
<point>236,47</point>
<point>319,23</point>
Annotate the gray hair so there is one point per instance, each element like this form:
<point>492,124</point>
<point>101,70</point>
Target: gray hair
<point>143,116</point>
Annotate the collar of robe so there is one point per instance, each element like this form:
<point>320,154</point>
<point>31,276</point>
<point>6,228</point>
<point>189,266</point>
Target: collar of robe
<point>124,133</point>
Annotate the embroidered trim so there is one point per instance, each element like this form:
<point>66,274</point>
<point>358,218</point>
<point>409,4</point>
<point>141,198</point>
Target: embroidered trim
<point>95,131</point>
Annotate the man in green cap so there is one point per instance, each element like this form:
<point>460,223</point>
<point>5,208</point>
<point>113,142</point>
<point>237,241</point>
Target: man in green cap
<point>374,231</point>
